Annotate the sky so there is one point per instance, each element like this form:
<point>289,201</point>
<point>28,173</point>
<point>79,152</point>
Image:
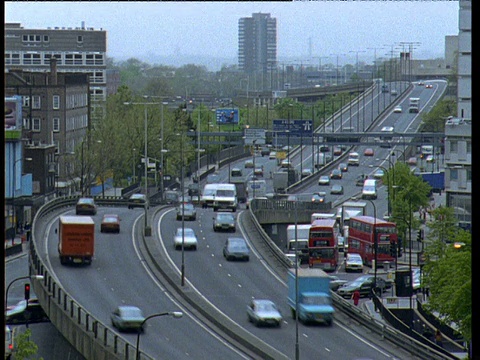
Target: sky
<point>306,30</point>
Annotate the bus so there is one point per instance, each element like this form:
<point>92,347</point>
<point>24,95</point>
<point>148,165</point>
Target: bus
<point>361,234</point>
<point>323,245</point>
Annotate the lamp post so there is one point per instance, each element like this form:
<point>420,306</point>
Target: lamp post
<point>31,277</point>
<point>254,186</point>
<point>174,314</point>
<point>182,282</point>
<point>162,141</point>
<point>388,187</point>
<point>375,242</point>
<point>133,164</point>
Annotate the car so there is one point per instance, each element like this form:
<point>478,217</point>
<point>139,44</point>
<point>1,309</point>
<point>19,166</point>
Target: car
<point>286,164</point>
<point>128,318</point>
<point>378,174</point>
<point>353,262</point>
<point>336,190</point>
<point>360,180</point>
<point>421,83</point>
<point>186,210</point>
<point>21,314</point>
<point>430,159</point>
<point>337,150</point>
<point>319,197</point>
<point>138,200</point>
<point>353,159</point>
<point>236,248</point>
<point>264,312</point>
<point>336,282</point>
<point>428,86</point>
<point>412,161</point>
<point>306,172</point>
<point>272,155</point>
<point>368,152</point>
<point>185,236</point>
<point>324,180</point>
<point>324,148</point>
<point>258,171</point>
<point>397,109</point>
<point>364,284</point>
<point>213,178</point>
<point>193,189</point>
<point>85,206</point>
<point>394,92</point>
<point>336,174</point>
<point>248,164</point>
<point>172,197</point>
<point>265,151</point>
<point>224,221</point>
<point>287,148</point>
<point>110,223</point>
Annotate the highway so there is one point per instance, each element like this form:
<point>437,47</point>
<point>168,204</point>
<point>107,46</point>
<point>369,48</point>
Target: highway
<point>119,275</point>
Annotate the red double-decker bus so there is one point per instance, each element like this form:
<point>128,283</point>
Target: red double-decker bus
<point>361,235</point>
<point>323,244</point>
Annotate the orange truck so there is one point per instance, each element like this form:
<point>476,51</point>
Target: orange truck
<point>76,239</point>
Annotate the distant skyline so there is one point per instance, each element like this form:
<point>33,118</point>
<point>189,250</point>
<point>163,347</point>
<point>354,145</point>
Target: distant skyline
<point>306,30</point>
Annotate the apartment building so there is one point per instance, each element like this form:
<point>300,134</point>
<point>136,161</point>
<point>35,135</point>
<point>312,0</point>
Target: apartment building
<point>257,43</point>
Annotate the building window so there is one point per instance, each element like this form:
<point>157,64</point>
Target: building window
<point>469,147</point>
<point>36,125</point>
<point>32,59</point>
<point>454,174</point>
<point>46,38</point>
<point>469,174</point>
<point>26,124</point>
<point>80,38</point>
<point>56,124</point>
<point>36,102</point>
<point>56,102</point>
<point>12,59</point>
<point>26,101</point>
<point>47,57</point>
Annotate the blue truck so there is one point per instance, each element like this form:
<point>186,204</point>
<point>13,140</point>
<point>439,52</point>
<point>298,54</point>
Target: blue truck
<point>435,179</point>
<point>314,301</point>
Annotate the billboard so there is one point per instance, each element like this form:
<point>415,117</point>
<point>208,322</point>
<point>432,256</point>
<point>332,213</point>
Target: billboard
<point>13,113</point>
<point>227,116</point>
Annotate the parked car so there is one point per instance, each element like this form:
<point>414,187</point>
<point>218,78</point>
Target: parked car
<point>353,262</point>
<point>137,200</point>
<point>336,174</point>
<point>368,152</point>
<point>85,206</point>
<point>127,317</point>
<point>324,180</point>
<point>20,314</point>
<point>336,190</point>
<point>343,167</point>
<point>264,312</point>
<point>236,248</point>
<point>186,237</point>
<point>224,221</point>
<point>187,211</point>
<point>364,284</point>
<point>110,223</point>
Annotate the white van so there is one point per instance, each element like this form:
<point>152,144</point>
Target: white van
<point>354,159</point>
<point>225,197</point>
<point>369,189</point>
<point>426,150</point>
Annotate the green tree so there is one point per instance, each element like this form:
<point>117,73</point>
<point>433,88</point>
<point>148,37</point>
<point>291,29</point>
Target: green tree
<point>448,275</point>
<point>434,120</point>
<point>24,347</point>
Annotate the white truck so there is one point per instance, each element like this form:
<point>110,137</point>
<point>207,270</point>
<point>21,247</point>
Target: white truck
<point>280,182</point>
<point>413,105</point>
<point>298,235</point>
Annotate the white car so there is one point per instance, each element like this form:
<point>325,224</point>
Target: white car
<point>188,239</point>
<point>353,262</point>
<point>397,109</point>
<point>324,180</point>
<point>272,155</point>
<point>264,312</point>
<point>430,159</point>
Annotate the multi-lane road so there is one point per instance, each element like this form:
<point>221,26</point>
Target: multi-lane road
<point>119,275</point>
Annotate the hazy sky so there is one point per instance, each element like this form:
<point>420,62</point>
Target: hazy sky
<point>304,28</point>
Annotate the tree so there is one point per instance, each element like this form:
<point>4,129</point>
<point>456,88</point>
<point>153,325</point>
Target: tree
<point>448,275</point>
<point>25,348</point>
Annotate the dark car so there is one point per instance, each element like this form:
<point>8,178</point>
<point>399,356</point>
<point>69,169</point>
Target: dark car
<point>85,206</point>
<point>363,284</point>
<point>319,197</point>
<point>193,189</point>
<point>224,221</point>
<point>137,200</point>
<point>336,174</point>
<point>110,223</point>
<point>336,190</point>
<point>126,317</point>
<point>172,197</point>
<point>343,167</point>
<point>265,151</point>
<point>360,180</point>
<point>20,314</point>
<point>236,248</point>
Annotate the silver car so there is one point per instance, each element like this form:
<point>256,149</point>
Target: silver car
<point>236,248</point>
<point>264,312</point>
<point>127,317</point>
<point>224,222</point>
<point>187,211</point>
<point>186,237</point>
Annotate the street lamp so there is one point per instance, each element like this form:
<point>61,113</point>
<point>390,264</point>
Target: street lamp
<point>31,277</point>
<point>162,139</point>
<point>174,314</point>
<point>388,187</point>
<point>182,282</point>
<point>254,142</point>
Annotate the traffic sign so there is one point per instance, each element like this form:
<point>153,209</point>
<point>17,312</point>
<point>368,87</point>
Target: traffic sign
<point>293,128</point>
<point>254,134</point>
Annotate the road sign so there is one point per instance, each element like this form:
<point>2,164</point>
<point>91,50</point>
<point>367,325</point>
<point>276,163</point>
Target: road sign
<point>293,128</point>
<point>254,134</point>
